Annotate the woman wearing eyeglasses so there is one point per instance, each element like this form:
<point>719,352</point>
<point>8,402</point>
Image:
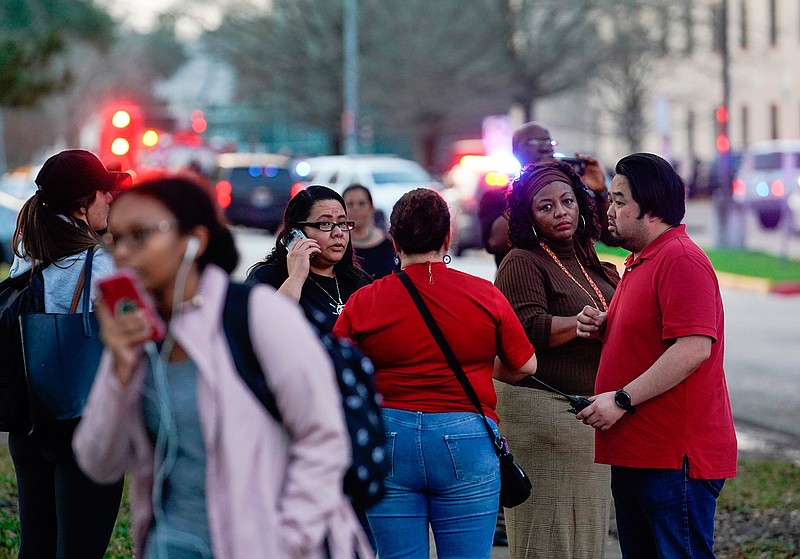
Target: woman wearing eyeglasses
<point>212,473</point>
<point>317,268</point>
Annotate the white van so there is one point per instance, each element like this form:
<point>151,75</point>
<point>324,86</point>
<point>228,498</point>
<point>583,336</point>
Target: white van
<point>768,181</point>
<point>387,177</point>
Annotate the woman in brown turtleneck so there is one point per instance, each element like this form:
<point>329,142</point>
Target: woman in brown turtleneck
<point>548,277</point>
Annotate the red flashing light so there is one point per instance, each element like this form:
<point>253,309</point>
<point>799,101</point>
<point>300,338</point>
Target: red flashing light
<point>739,187</point>
<point>496,180</point>
<point>777,188</point>
<point>199,123</point>
<point>120,146</point>
<point>121,119</point>
<point>722,114</point>
<point>296,188</point>
<point>150,138</point>
<point>224,190</point>
<point>723,144</point>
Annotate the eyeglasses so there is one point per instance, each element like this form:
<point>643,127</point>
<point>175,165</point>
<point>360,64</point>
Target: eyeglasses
<point>138,236</point>
<point>541,143</point>
<point>329,225</point>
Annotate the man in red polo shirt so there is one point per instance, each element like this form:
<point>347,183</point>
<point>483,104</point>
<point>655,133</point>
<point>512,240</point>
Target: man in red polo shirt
<point>661,412</point>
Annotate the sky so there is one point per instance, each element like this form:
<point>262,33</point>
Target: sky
<point>141,15</point>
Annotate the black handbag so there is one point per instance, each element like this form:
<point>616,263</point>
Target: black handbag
<point>61,354</point>
<point>20,294</point>
<point>515,486</point>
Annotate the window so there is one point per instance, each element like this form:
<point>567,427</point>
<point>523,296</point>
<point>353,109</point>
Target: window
<point>743,24</point>
<point>773,118</point>
<point>688,23</point>
<point>745,126</point>
<point>773,22</point>
<point>767,161</point>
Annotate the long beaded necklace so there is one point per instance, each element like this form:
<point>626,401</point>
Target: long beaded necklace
<point>591,282</point>
<point>337,304</point>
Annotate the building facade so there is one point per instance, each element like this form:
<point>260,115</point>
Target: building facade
<point>685,85</point>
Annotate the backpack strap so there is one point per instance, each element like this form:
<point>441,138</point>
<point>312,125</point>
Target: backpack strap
<point>235,318</point>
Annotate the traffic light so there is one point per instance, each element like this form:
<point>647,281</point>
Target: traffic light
<point>723,143</point>
<point>121,136</point>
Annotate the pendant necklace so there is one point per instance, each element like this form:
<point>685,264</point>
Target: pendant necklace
<point>337,304</point>
<point>591,282</point>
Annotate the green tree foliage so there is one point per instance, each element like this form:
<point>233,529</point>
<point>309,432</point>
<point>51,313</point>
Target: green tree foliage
<point>288,60</point>
<point>433,68</point>
<point>553,46</point>
<point>425,66</point>
<point>34,36</point>
<point>637,39</point>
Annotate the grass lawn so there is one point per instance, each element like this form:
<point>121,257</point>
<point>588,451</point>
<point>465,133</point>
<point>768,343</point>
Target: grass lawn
<point>758,513</point>
<point>121,544</point>
<point>742,262</point>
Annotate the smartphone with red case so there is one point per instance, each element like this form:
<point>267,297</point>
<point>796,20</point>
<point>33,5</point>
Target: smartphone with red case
<point>123,293</point>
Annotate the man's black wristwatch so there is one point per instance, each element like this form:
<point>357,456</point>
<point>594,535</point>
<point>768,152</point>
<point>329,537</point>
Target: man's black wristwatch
<point>623,400</point>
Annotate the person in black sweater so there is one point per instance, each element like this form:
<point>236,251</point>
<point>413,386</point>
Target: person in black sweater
<point>317,269</point>
<point>373,248</point>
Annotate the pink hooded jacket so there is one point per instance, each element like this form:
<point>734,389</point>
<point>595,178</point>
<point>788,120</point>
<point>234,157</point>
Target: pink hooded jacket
<point>272,490</point>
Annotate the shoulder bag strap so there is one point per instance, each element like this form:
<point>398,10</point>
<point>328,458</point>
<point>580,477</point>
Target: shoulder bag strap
<point>84,287</point>
<point>452,360</point>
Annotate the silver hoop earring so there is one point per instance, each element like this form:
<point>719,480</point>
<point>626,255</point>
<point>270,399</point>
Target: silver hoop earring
<point>582,224</point>
<point>447,259</point>
<point>535,234</point>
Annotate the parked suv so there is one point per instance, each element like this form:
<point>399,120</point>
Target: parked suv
<point>387,177</point>
<point>768,179</point>
<point>254,188</point>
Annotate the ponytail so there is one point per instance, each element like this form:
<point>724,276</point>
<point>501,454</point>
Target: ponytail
<point>46,235</point>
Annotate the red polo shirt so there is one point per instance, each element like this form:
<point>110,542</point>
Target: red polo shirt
<point>669,291</point>
<point>410,371</point>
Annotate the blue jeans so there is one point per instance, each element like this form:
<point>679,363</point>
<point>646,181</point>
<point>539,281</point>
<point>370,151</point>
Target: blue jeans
<point>664,514</point>
<point>443,472</point>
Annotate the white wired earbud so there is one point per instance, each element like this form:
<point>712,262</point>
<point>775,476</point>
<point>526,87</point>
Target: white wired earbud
<point>192,246</point>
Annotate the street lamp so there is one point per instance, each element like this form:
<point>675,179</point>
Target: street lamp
<point>350,94</point>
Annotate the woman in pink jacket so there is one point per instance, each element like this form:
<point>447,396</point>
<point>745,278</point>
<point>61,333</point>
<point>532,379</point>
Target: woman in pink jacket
<point>213,474</point>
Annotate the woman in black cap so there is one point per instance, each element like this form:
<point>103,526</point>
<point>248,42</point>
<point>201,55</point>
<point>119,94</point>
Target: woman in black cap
<point>62,513</point>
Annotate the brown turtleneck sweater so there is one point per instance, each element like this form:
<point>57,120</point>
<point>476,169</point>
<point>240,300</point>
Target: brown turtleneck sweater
<point>538,289</point>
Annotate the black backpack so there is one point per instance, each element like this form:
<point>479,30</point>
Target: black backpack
<point>21,294</point>
<point>364,480</point>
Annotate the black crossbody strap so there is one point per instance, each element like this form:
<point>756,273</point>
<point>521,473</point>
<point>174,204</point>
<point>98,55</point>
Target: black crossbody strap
<point>452,360</point>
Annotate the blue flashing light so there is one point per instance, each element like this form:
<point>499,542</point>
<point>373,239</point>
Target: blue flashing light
<point>762,189</point>
<point>303,169</point>
<point>254,171</point>
<point>271,171</point>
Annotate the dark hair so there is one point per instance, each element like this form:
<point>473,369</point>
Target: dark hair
<point>189,200</point>
<point>357,186</point>
<point>655,186</point>
<point>520,200</point>
<point>420,221</point>
<point>297,210</point>
<point>50,233</point>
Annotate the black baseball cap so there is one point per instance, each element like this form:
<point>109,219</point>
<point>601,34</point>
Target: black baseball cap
<point>74,173</point>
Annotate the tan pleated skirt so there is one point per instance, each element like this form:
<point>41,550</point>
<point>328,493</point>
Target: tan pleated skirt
<point>567,515</point>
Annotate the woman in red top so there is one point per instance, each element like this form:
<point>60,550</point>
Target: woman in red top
<point>443,470</point>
